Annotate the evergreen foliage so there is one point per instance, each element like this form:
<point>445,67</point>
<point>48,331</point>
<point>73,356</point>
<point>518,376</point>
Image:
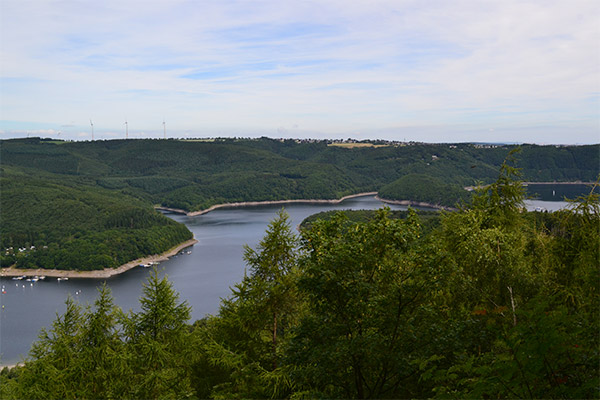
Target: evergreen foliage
<point>426,189</point>
<point>77,226</point>
<point>103,353</point>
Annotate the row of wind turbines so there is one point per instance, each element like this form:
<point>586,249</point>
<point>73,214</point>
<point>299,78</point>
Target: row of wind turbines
<point>127,129</point>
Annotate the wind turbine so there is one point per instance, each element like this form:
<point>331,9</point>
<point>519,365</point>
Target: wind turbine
<point>92,124</point>
<point>126,129</point>
<point>164,128</point>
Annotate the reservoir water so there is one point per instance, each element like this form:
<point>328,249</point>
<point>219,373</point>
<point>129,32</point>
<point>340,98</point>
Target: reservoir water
<point>202,277</point>
<point>202,274</point>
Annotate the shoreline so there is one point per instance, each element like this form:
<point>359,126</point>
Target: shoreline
<point>416,203</point>
<point>97,274</point>
<point>11,366</point>
<point>471,188</point>
<point>262,203</point>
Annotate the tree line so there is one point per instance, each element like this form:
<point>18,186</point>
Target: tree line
<point>194,175</point>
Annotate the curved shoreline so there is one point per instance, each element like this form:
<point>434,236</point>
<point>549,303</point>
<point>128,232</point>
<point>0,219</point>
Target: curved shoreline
<point>262,203</point>
<point>471,188</point>
<point>97,274</point>
<point>416,203</point>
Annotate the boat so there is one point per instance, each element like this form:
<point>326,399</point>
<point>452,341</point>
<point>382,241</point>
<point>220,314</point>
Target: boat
<point>42,277</point>
<point>18,278</point>
<point>62,279</point>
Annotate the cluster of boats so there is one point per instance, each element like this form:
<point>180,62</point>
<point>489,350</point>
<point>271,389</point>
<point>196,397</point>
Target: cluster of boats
<point>148,265</point>
<point>152,263</point>
<point>35,278</point>
<point>30,278</point>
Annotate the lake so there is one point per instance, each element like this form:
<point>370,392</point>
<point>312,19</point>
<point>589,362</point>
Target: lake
<point>201,277</point>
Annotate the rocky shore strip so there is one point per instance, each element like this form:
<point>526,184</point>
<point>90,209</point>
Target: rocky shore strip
<point>262,203</point>
<point>97,274</point>
<point>416,203</point>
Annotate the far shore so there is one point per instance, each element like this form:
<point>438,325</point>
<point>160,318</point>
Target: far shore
<point>97,274</point>
<point>11,366</point>
<point>416,203</point>
<point>471,188</point>
<point>261,203</point>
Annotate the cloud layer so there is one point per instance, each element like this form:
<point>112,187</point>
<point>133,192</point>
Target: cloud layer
<point>434,71</point>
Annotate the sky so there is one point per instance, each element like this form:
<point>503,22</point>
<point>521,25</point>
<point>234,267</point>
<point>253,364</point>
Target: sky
<point>431,71</point>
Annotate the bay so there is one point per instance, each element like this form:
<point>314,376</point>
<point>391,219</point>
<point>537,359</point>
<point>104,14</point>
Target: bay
<point>202,277</point>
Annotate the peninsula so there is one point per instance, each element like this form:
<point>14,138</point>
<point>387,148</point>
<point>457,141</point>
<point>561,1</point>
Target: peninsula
<point>97,274</point>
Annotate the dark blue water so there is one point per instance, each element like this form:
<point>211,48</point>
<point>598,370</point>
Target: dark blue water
<point>558,192</point>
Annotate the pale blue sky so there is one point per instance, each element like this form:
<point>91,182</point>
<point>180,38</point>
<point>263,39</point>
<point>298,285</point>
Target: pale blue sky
<point>435,71</point>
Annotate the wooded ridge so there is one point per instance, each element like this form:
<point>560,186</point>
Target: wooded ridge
<point>89,205</point>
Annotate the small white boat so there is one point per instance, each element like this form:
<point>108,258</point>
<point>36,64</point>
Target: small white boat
<point>18,278</point>
<point>42,277</point>
<point>62,279</point>
<point>34,279</point>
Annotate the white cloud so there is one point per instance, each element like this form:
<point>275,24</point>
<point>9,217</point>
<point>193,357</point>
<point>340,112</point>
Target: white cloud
<point>329,66</point>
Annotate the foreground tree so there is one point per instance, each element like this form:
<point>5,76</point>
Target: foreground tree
<point>77,343</point>
<point>245,341</point>
<point>157,339</point>
<point>102,353</point>
<point>365,291</point>
<point>524,296</point>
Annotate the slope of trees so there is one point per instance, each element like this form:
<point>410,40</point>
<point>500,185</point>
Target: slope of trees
<point>94,198</point>
<point>493,303</point>
<point>77,226</point>
<point>424,188</point>
<point>193,175</point>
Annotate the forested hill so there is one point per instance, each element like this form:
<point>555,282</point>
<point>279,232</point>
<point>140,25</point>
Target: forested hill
<point>193,175</point>
<point>90,203</point>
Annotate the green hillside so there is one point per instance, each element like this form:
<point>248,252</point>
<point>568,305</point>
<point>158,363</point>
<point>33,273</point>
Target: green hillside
<point>99,195</point>
<point>76,225</point>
